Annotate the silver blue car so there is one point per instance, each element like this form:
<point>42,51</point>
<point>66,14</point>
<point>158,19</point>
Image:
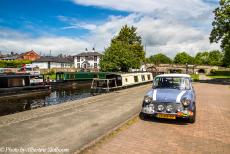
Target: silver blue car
<point>172,96</point>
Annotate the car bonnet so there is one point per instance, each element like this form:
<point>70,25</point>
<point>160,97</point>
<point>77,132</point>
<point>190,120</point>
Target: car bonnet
<point>167,95</point>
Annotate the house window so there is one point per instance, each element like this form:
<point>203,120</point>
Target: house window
<point>78,65</point>
<point>135,78</point>
<point>95,58</point>
<point>148,77</point>
<point>143,78</point>
<point>95,65</point>
<point>78,59</point>
<point>86,57</point>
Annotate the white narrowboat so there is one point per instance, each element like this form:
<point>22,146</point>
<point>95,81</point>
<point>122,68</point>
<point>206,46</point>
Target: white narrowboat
<point>114,81</point>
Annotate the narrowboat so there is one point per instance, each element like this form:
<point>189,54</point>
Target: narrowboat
<point>114,81</point>
<point>20,83</point>
<point>79,76</point>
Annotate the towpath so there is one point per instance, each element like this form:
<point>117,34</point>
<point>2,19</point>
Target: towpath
<point>70,125</point>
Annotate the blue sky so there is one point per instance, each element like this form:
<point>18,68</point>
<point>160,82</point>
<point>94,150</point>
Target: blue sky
<point>36,16</point>
<point>70,26</point>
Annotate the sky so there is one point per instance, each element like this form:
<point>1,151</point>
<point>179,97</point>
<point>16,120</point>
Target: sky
<point>71,26</point>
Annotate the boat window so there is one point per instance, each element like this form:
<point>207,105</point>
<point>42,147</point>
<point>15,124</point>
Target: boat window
<point>101,83</point>
<point>71,76</point>
<point>172,82</point>
<point>148,77</point>
<point>135,78</point>
<point>143,78</point>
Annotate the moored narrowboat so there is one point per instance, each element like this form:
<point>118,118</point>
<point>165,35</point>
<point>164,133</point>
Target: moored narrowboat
<point>114,81</point>
<point>79,76</point>
<point>20,83</point>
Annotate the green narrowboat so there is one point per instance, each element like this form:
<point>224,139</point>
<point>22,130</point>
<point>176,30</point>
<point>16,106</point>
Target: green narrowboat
<point>79,76</point>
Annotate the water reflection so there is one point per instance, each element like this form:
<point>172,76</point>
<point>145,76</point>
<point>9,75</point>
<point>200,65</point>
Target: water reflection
<point>61,95</point>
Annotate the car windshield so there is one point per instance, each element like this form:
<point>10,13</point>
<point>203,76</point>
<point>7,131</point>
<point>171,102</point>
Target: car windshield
<point>172,82</point>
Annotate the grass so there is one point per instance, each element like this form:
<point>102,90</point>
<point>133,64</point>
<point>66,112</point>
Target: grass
<point>219,76</point>
<point>195,77</point>
<point>52,76</point>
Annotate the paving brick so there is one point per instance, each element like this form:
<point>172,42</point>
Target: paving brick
<point>210,133</point>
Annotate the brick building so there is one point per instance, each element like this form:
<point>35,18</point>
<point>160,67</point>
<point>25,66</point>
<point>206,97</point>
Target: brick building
<point>29,55</point>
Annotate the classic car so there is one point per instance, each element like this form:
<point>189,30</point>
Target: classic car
<point>172,96</point>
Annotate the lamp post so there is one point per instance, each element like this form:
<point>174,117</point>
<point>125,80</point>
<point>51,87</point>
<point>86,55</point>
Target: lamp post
<point>186,68</point>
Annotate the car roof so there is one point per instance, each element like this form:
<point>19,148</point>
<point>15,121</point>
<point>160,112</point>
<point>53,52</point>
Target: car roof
<point>174,75</point>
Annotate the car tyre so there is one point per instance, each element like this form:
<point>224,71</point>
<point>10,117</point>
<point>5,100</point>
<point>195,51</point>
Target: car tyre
<point>143,116</point>
<point>192,119</point>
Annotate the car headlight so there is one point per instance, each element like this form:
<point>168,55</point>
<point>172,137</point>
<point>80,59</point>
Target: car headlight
<point>151,106</point>
<point>148,99</point>
<point>160,107</point>
<point>185,102</point>
<point>169,108</point>
<point>179,108</point>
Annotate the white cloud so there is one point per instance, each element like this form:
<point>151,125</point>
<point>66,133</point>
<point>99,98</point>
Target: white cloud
<point>81,26</point>
<point>19,42</point>
<point>76,24</point>
<point>183,7</point>
<point>166,26</point>
<point>158,35</point>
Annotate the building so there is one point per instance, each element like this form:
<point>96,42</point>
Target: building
<point>87,60</point>
<point>29,55</point>
<point>10,56</point>
<point>49,62</point>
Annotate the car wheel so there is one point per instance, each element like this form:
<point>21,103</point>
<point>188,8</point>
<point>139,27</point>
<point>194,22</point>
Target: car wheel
<point>143,116</point>
<point>192,119</point>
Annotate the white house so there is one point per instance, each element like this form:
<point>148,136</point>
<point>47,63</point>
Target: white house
<point>49,62</point>
<point>87,60</point>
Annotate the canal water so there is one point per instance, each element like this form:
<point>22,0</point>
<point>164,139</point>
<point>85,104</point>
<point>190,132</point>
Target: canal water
<point>56,96</point>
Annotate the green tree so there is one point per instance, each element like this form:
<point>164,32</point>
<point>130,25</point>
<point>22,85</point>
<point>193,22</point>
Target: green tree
<point>125,51</point>
<point>202,58</point>
<point>209,58</point>
<point>160,59</point>
<point>221,29</point>
<point>183,58</point>
<point>215,58</point>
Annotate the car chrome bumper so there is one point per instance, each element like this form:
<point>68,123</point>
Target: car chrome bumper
<point>180,114</point>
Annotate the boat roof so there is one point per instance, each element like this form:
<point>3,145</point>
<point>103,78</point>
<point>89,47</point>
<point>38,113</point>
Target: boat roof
<point>174,75</point>
<point>107,73</point>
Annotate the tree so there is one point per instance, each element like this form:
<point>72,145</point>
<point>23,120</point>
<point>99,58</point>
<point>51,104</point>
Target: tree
<point>160,59</point>
<point>215,58</point>
<point>221,29</point>
<point>202,58</point>
<point>209,58</point>
<point>125,51</point>
<point>183,58</point>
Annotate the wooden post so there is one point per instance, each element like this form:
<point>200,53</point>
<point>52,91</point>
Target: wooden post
<point>107,85</point>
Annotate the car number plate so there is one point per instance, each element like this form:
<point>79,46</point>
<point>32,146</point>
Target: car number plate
<point>166,116</point>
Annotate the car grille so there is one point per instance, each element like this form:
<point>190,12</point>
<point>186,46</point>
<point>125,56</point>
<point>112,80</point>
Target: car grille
<point>175,106</point>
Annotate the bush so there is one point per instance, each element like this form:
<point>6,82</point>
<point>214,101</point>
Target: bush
<point>220,73</point>
<point>14,63</point>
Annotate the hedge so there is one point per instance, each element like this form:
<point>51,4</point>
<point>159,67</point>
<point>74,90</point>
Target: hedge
<point>216,72</point>
<point>13,63</point>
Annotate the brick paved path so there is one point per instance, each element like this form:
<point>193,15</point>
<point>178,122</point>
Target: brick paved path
<point>210,133</point>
